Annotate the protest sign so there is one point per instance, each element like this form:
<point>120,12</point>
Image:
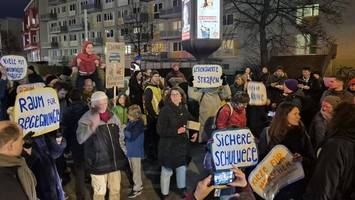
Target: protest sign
<point>233,147</point>
<point>28,87</point>
<point>16,67</point>
<point>115,64</point>
<point>274,172</point>
<point>207,76</point>
<point>257,93</point>
<point>37,110</point>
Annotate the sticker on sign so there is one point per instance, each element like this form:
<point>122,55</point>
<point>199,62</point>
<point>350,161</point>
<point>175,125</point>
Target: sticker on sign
<point>233,147</point>
<point>16,66</point>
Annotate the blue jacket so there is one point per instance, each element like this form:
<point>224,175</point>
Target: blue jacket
<point>134,139</point>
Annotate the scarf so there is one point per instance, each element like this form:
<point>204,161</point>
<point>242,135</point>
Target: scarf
<point>105,116</point>
<point>27,179</point>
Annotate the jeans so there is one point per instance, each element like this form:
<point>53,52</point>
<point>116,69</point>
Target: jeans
<point>112,181</point>
<point>165,178</point>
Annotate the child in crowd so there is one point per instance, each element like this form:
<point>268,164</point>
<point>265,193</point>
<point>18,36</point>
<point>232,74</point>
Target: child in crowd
<point>120,109</point>
<point>134,139</point>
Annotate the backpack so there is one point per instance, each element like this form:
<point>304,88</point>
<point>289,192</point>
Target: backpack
<point>210,124</point>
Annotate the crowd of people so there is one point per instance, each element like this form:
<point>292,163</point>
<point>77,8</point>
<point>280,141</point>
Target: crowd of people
<point>105,135</point>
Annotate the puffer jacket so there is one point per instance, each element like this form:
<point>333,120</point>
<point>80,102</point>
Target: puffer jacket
<point>104,149</point>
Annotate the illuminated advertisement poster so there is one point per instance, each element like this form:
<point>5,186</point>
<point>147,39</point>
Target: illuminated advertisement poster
<point>208,19</point>
<point>186,19</point>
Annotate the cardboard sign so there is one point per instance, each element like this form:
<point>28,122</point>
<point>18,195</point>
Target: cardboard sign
<point>115,64</point>
<point>193,125</point>
<point>257,93</point>
<point>207,76</point>
<point>274,172</point>
<point>16,67</point>
<point>37,110</point>
<point>28,87</point>
<point>234,147</point>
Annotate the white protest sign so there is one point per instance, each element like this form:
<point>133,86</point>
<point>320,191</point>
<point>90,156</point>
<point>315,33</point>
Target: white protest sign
<point>234,147</point>
<point>37,110</point>
<point>115,64</point>
<point>257,93</point>
<point>274,172</point>
<point>207,76</point>
<point>16,67</point>
<point>28,87</point>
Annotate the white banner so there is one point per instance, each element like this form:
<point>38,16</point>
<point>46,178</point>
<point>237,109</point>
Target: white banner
<point>257,93</point>
<point>207,76</point>
<point>16,67</point>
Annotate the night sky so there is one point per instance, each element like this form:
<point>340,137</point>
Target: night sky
<point>12,8</point>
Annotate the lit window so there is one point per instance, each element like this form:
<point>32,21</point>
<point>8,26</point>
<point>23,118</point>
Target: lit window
<point>128,49</point>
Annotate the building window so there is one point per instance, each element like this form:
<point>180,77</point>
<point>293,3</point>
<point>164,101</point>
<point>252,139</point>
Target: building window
<point>64,9</point>
<point>176,3</point>
<point>128,49</point>
<point>72,22</point>
<point>72,7</point>
<point>109,33</point>
<point>228,19</point>
<point>99,35</point>
<point>64,38</point>
<point>109,1</point>
<point>98,17</point>
<point>72,37</point>
<point>108,16</point>
<point>177,25</point>
<point>177,46</point>
<point>306,44</point>
<point>119,14</point>
<point>92,35</point>
<point>136,10</point>
<point>307,11</point>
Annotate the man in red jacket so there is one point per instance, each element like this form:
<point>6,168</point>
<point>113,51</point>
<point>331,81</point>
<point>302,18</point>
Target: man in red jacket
<point>86,64</point>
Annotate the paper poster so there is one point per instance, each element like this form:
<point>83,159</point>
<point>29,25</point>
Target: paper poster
<point>37,110</point>
<point>207,76</point>
<point>28,87</point>
<point>274,172</point>
<point>186,20</point>
<point>257,93</point>
<point>208,19</point>
<point>115,64</point>
<point>16,67</point>
<point>234,147</point>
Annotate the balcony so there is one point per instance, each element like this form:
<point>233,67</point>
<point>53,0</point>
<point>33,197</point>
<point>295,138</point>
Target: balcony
<point>98,41</point>
<point>56,2</point>
<point>54,45</point>
<point>48,17</point>
<point>55,29</point>
<point>170,34</point>
<point>143,17</point>
<point>76,27</point>
<point>174,12</point>
<point>95,7</point>
<point>64,29</point>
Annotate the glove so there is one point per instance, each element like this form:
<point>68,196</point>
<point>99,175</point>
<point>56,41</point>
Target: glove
<point>224,79</point>
<point>28,140</point>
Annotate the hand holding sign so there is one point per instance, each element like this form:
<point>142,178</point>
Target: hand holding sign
<point>16,66</point>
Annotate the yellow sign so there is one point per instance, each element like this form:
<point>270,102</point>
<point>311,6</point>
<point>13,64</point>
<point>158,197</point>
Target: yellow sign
<point>115,64</point>
<point>37,110</point>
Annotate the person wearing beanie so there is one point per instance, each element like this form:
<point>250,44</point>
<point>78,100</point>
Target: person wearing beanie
<point>100,133</point>
<point>86,64</point>
<point>337,87</point>
<point>319,126</point>
<point>290,86</point>
<point>153,96</point>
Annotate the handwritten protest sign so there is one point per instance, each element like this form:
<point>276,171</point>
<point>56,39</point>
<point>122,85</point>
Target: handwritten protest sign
<point>234,147</point>
<point>37,110</point>
<point>16,67</point>
<point>28,87</point>
<point>274,172</point>
<point>115,63</point>
<point>207,76</point>
<point>257,93</point>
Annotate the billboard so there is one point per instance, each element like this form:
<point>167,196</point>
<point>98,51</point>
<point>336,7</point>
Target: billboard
<point>208,19</point>
<point>186,20</point>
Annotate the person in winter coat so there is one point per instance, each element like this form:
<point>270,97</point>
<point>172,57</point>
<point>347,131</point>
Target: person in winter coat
<point>88,90</point>
<point>33,77</point>
<point>136,88</point>
<point>46,148</point>
<point>308,83</point>
<point>174,140</point>
<point>318,130</point>
<point>134,140</point>
<point>71,118</point>
<point>238,85</point>
<point>16,179</point>
<point>337,88</point>
<point>153,96</point>
<point>275,85</point>
<point>175,76</point>
<point>86,63</point>
<point>3,92</point>
<point>287,129</point>
<point>334,174</point>
<point>121,108</point>
<point>210,100</point>
<point>99,131</point>
<point>265,75</point>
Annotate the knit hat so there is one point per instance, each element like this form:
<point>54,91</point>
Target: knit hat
<point>291,84</point>
<point>99,95</point>
<point>332,100</point>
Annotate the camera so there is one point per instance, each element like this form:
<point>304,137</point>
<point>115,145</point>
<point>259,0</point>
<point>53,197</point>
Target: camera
<point>223,177</point>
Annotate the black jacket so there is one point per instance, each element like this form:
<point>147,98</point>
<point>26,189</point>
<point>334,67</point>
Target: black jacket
<point>173,147</point>
<point>104,147</point>
<point>312,83</point>
<point>10,186</point>
<point>334,175</point>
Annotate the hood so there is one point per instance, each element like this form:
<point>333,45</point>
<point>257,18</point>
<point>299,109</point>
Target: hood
<point>85,44</point>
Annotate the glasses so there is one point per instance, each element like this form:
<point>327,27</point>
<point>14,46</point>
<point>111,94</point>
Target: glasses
<point>175,94</point>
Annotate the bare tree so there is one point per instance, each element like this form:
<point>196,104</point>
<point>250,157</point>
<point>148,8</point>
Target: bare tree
<point>275,22</point>
<point>137,27</point>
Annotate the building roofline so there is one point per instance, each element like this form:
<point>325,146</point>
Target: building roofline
<point>29,3</point>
